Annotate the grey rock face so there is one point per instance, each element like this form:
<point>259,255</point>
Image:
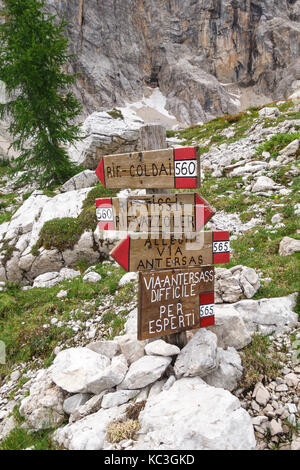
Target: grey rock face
<point>104,135</point>
<point>188,48</point>
<point>229,372</point>
<point>199,356</point>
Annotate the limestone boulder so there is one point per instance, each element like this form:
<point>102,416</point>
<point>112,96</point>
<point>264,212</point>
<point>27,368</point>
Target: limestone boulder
<point>199,357</point>
<point>229,372</point>
<point>43,408</point>
<point>145,371</point>
<point>104,135</point>
<point>193,415</point>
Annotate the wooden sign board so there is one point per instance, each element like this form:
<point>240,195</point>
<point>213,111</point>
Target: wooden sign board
<point>183,211</point>
<point>175,300</point>
<point>146,254</point>
<point>166,168</point>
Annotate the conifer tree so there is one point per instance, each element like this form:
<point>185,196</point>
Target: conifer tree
<point>40,105</point>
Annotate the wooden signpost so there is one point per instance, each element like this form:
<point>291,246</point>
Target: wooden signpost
<point>175,300</point>
<point>163,241</point>
<point>167,168</point>
<point>154,213</point>
<point>145,254</point>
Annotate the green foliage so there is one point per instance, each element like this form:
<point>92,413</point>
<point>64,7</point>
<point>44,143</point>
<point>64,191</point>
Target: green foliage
<point>64,233</point>
<point>257,359</point>
<point>59,233</point>
<point>24,314</point>
<point>21,439</point>
<point>33,58</point>
<point>116,114</point>
<point>277,143</point>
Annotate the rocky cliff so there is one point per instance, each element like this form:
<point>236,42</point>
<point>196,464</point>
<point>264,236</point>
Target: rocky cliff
<point>208,57</point>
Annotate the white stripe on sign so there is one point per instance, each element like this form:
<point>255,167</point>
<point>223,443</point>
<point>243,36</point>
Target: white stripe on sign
<point>206,310</point>
<point>105,214</point>
<point>186,168</point>
<point>221,247</point>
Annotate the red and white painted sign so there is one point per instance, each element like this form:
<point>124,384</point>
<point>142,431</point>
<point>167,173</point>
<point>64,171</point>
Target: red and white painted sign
<point>207,313</point>
<point>166,168</point>
<point>186,167</point>
<point>148,253</point>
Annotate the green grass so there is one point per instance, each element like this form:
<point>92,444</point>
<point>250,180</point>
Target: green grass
<point>277,143</point>
<point>21,439</point>
<point>23,314</point>
<point>64,233</point>
<point>258,360</point>
<point>115,113</point>
<point>241,123</point>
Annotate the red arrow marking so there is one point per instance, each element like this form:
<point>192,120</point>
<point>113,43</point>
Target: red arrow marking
<point>121,253</point>
<point>100,172</point>
<point>208,210</point>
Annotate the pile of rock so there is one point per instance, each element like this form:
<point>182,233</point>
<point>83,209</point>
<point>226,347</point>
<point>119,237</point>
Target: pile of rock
<point>236,283</point>
<point>274,405</point>
<point>92,384</point>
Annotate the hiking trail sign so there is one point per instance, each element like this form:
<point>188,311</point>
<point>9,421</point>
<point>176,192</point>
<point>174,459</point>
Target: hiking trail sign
<point>167,169</point>
<point>149,253</point>
<point>163,238</point>
<point>175,300</point>
<point>157,212</point>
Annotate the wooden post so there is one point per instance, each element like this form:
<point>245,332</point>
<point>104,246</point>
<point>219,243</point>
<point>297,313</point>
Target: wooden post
<point>179,339</point>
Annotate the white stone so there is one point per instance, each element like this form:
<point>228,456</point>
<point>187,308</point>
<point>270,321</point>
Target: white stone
<point>268,315</point>
<point>47,279</point>
<point>111,135</point>
<point>292,379</point>
<point>74,402</point>
<point>88,433</point>
<point>67,273</point>
<point>230,328</point>
<point>191,415</point>
<point>74,368</point>
<point>111,376</point>
<point>92,277</point>
<point>118,398</point>
<point>85,179</point>
<point>106,348</point>
<point>199,356</point>
<point>263,183</point>
<point>229,372</point>
<point>261,394</point>
<point>161,348</point>
<point>275,427</point>
<point>128,277</point>
<point>145,371</point>
<point>288,246</point>
<point>269,112</point>
<point>43,408</point>
<point>276,218</point>
<point>131,347</point>
<point>291,149</point>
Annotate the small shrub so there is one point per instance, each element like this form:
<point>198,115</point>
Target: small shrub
<point>116,114</point>
<point>118,430</point>
<point>235,117</point>
<point>133,411</point>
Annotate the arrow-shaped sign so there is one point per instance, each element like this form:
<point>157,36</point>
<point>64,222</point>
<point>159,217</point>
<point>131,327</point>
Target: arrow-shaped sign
<point>149,253</point>
<point>166,168</point>
<point>154,213</point>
